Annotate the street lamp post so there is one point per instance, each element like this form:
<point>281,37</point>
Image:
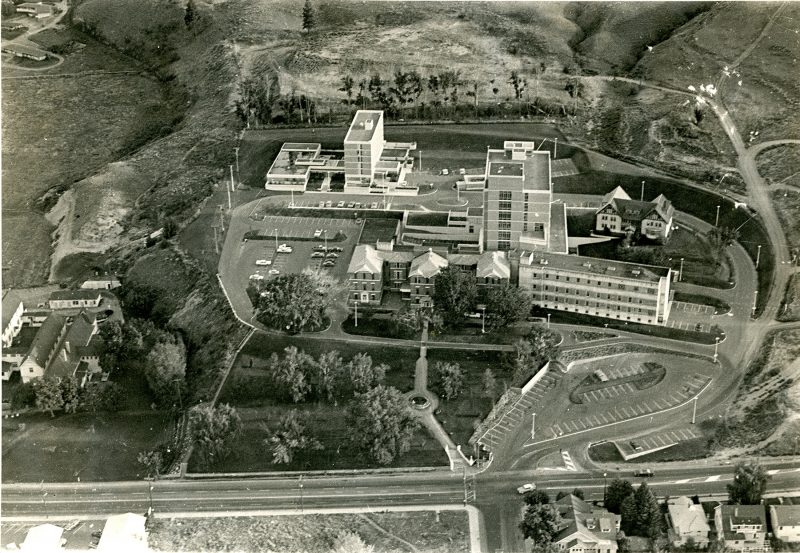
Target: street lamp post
<point>680,273</point>
<point>325,235</point>
<point>483,320</point>
<point>604,488</point>
<point>755,299</point>
<point>533,425</point>
<point>642,196</point>
<point>758,255</point>
<point>356,312</point>
<point>694,409</point>
<point>150,493</point>
<point>276,239</point>
<point>716,347</point>
<point>716,221</point>
<point>548,321</point>
<point>301,494</point>
<point>236,150</point>
<point>420,161</point>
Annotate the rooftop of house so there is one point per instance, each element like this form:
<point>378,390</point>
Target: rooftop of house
<point>38,7</point>
<point>785,515</point>
<point>124,532</point>
<point>362,129</point>
<point>10,303</point>
<point>591,265</point>
<point>427,265</point>
<point>366,259</point>
<point>533,165</point>
<point>22,49</point>
<point>83,294</point>
<point>584,522</point>
<point>738,515</point>
<point>636,209</point>
<point>688,518</point>
<point>493,265</point>
<point>46,338</point>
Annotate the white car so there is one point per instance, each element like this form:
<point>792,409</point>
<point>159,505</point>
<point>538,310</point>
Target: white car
<point>445,172</point>
<point>256,277</point>
<point>462,171</point>
<point>374,205</point>
<point>525,488</point>
<point>274,272</point>
<point>318,233</point>
<point>263,262</point>
<point>283,248</point>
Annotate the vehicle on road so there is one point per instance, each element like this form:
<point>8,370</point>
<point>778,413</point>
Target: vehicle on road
<point>284,248</point>
<point>329,263</point>
<point>340,204</point>
<point>322,203</point>
<point>329,203</point>
<point>263,262</point>
<point>332,254</point>
<point>643,473</point>
<point>256,277</point>
<point>351,205</point>
<point>525,488</point>
<point>318,233</point>
<point>317,254</point>
<point>274,272</point>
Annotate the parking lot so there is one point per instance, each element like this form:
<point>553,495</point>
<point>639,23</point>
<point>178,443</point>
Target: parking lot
<point>626,409</point>
<point>690,316</point>
<point>642,445</point>
<point>563,168</point>
<point>78,533</point>
<point>609,393</point>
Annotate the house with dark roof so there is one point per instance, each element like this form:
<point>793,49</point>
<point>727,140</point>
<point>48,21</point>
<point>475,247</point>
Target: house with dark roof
<point>620,214</point>
<point>44,347</point>
<point>585,528</point>
<point>422,276</point>
<point>742,527</point>
<point>38,10</point>
<point>785,521</point>
<point>686,522</point>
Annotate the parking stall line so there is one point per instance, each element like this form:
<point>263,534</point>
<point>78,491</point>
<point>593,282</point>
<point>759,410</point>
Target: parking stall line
<point>674,436</point>
<point>624,410</point>
<point>596,420</point>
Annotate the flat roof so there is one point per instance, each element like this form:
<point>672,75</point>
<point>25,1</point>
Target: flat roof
<point>23,49</point>
<point>301,146</point>
<point>506,169</point>
<point>358,131</point>
<point>558,228</point>
<point>536,167</point>
<point>593,265</point>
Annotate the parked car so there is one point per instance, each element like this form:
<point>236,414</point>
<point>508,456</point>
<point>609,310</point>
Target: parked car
<point>329,263</point>
<point>445,172</point>
<point>525,488</point>
<point>358,205</point>
<point>322,203</point>
<point>636,446</point>
<point>318,233</point>
<point>340,204</point>
<point>274,272</point>
<point>284,248</point>
<point>256,277</point>
<point>263,262</point>
<point>336,249</point>
<point>351,205</point>
<point>374,205</point>
<point>332,254</point>
<point>462,171</point>
<point>317,254</point>
<point>320,248</point>
<point>644,473</point>
<point>329,203</point>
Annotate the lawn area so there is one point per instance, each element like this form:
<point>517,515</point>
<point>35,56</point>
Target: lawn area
<point>377,229</point>
<point>718,305</point>
<point>787,205</point>
<point>459,416</point>
<point>697,448</point>
<point>99,446</point>
<point>249,390</point>
<point>443,533</point>
<point>565,317</point>
<point>790,310</point>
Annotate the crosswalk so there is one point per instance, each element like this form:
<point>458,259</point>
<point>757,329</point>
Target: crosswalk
<point>568,463</point>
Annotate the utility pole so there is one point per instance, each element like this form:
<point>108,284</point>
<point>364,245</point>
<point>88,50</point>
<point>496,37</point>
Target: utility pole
<point>276,239</point>
<point>642,196</point>
<point>694,409</point>
<point>680,274</point>
<point>533,425</point>
<point>216,241</point>
<point>555,148</point>
<point>716,221</point>
<point>236,149</point>
<point>758,255</point>
<point>355,303</point>
<point>301,494</point>
<point>420,161</point>
<point>229,188</point>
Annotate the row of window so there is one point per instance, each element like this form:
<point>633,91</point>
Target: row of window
<point>591,293</point>
<point>598,304</point>
<point>589,281</point>
<point>597,313</point>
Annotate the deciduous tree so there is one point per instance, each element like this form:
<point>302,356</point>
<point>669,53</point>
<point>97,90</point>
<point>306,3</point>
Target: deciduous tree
<point>294,302</point>
<point>720,238</point>
<point>506,304</point>
<point>363,375</point>
<point>165,370</point>
<point>748,485</point>
<point>536,497</point>
<point>385,425</point>
<point>454,295</point>
<point>540,523</point>
<point>489,384</point>
<point>347,88</point>
<point>48,394</point>
<point>350,542</point>
<point>290,373</point>
<point>289,439</point>
<point>70,394</point>
<point>327,375</point>
<point>213,430</point>
<point>449,379</point>
<point>152,461</point>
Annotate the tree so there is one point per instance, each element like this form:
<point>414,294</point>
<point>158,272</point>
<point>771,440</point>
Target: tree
<point>748,485</point>
<point>290,438</point>
<point>616,493</point>
<point>48,394</point>
<point>294,302</point>
<point>540,523</point>
<point>113,341</point>
<point>165,371</point>
<point>577,492</point>
<point>189,13</point>
<point>641,515</point>
<point>489,384</point>
<point>289,373</point>
<point>24,396</point>
<point>363,375</point>
<point>212,430</point>
<point>409,320</point>
<point>350,542</point>
<point>720,238</point>
<point>506,304</point>
<point>70,394</point>
<point>416,88</point>
<point>454,294</point>
<point>536,497</point>
<point>102,396</point>
<point>327,374</point>
<point>449,379</point>
<point>532,352</point>
<point>152,461</point>
<point>308,16</point>
<point>385,424</point>
<point>347,88</point>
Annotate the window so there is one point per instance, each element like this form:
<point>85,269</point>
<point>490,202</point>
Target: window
<point>504,235</point>
<point>503,245</point>
<point>504,206</point>
<point>504,215</point>
<point>355,295</point>
<point>538,227</point>
<point>504,225</point>
<point>505,195</point>
<point>372,297</point>
<point>525,226</point>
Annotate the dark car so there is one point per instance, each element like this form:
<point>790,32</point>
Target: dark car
<point>643,473</point>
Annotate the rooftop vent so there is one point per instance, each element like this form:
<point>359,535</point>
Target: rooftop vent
<point>369,124</point>
<point>611,269</point>
<point>543,261</point>
<point>587,265</point>
<point>636,272</point>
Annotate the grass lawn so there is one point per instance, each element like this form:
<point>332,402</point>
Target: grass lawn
<point>99,446</point>
<point>460,415</point>
<point>377,229</point>
<point>718,305</point>
<point>697,448</point>
<point>790,310</point>
<point>445,533</point>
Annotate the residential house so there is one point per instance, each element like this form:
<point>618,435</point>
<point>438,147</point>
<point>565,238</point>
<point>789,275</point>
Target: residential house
<point>37,10</point>
<point>24,51</point>
<point>72,299</point>
<point>12,309</point>
<point>101,283</point>
<point>124,532</point>
<point>44,538</point>
<point>686,523</point>
<point>44,347</point>
<point>422,277</point>
<point>586,528</point>
<point>742,527</point>
<point>621,214</point>
<point>785,521</point>
<point>365,275</point>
